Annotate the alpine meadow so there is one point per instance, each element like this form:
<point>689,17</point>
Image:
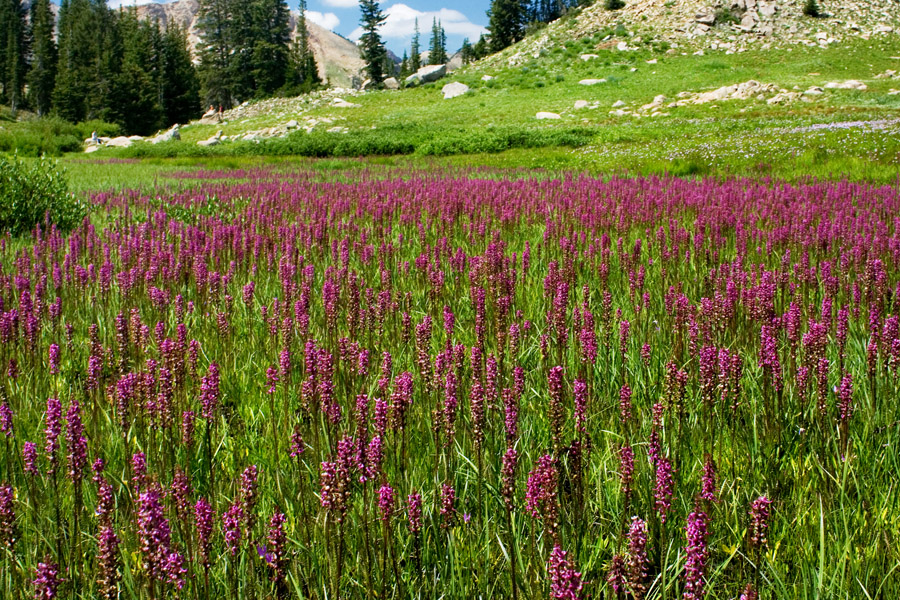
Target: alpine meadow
<point>565,300</point>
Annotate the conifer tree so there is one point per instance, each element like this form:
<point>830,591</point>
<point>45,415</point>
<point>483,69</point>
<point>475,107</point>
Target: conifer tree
<point>415,53</point>
<point>506,23</point>
<point>135,98</point>
<point>404,65</point>
<point>180,84</point>
<point>371,46</point>
<point>215,70</point>
<point>437,49</point>
<point>79,59</point>
<point>303,73</point>
<point>13,48</point>
<point>42,76</point>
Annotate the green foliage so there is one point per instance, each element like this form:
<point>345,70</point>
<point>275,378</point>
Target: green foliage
<point>614,4</point>
<point>415,59</point>
<point>371,46</point>
<point>13,52</point>
<point>33,193</point>
<point>437,49</point>
<point>506,23</point>
<point>51,135</point>
<point>42,76</point>
<point>811,9</point>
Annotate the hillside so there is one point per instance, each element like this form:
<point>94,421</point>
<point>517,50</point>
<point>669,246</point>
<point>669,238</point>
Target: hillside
<point>337,57</point>
<point>593,92</point>
<point>716,25</point>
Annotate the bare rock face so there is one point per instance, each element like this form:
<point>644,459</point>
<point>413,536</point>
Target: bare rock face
<point>337,57</point>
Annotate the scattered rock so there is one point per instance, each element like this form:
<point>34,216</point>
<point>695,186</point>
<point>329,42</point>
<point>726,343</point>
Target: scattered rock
<point>341,103</point>
<point>213,141</point>
<point>883,29</point>
<point>579,104</point>
<point>587,57</point>
<point>453,90</point>
<point>850,84</point>
<point>705,17</point>
<point>391,83</point>
<point>292,124</point>
<point>814,91</point>
<point>120,142</point>
<point>591,81</point>
<point>173,133</point>
<point>618,104</point>
<point>426,74</point>
<point>547,115</point>
<point>487,77</point>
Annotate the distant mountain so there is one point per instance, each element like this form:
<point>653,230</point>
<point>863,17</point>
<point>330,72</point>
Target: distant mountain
<point>337,57</point>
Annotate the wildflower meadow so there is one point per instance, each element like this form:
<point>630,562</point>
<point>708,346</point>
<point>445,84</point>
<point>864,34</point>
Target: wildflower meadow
<point>454,384</point>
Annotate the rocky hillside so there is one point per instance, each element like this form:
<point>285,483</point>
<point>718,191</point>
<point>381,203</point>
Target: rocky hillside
<point>338,58</point>
<point>717,25</point>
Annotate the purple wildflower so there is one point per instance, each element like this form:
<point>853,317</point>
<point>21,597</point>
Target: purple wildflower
<point>565,581</point>
<point>697,553</point>
<point>46,583</point>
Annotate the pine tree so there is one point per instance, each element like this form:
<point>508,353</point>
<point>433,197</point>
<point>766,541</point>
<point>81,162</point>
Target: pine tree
<point>811,9</point>
<point>13,48</point>
<point>506,23</point>
<point>404,66</point>
<point>303,73</point>
<point>614,4</point>
<point>42,76</point>
<point>415,53</point>
<point>179,81</point>
<point>270,50</point>
<point>135,100</point>
<point>370,41</point>
<point>437,49</point>
<point>84,28</point>
<point>466,52</point>
<point>215,70</point>
<point>481,48</point>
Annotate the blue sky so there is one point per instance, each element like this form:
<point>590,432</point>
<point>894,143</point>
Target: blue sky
<point>461,19</point>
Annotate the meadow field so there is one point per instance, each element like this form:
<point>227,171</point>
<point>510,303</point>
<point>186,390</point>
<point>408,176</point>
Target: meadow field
<point>363,380</point>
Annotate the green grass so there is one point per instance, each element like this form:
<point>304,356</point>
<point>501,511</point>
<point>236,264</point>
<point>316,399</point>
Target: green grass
<point>494,123</point>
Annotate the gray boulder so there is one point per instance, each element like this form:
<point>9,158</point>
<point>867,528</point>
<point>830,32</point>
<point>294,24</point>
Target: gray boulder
<point>391,83</point>
<point>427,74</point>
<point>453,90</point>
<point>172,133</point>
<point>547,115</point>
<point>120,142</point>
<point>213,141</point>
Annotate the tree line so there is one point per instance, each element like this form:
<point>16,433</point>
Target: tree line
<point>109,65</point>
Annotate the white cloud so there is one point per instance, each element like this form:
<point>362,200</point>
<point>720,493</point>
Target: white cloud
<point>341,3</point>
<point>327,20</point>
<point>401,22</point>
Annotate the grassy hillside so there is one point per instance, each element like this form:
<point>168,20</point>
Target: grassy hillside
<point>730,136</point>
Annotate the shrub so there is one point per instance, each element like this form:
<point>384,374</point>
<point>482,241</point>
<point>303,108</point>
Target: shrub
<point>811,9</point>
<point>35,192</point>
<point>614,4</point>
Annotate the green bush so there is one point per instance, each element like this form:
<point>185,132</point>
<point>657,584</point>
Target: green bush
<point>50,135</point>
<point>35,192</point>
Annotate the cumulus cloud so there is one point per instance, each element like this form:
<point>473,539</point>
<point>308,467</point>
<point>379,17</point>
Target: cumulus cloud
<point>341,3</point>
<point>327,20</point>
<point>400,23</point>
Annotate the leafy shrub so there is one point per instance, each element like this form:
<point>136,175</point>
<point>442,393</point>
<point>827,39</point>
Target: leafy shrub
<point>614,4</point>
<point>36,192</point>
